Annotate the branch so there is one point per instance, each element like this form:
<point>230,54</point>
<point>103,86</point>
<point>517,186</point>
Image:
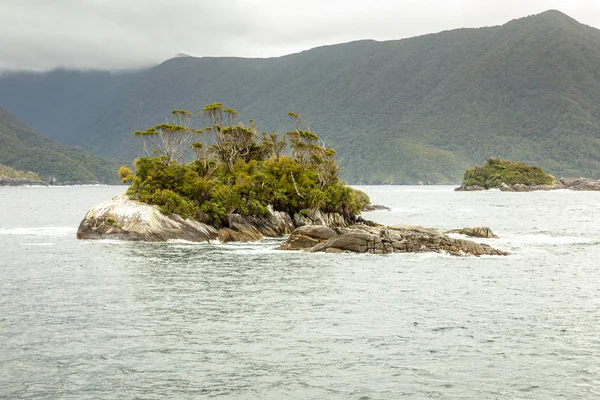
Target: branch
<point>295,186</point>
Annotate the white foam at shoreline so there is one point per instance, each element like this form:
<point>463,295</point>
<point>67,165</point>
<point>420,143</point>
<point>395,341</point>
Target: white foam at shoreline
<point>40,231</point>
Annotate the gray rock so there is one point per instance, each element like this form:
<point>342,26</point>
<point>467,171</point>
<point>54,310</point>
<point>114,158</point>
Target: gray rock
<point>247,235</point>
<point>318,218</point>
<point>545,188</point>
<point>469,188</point>
<point>478,232</point>
<point>580,184</point>
<point>577,184</point>
<point>125,219</point>
<point>519,187</point>
<point>308,236</point>
<point>506,188</point>
<point>274,224</point>
<point>6,181</point>
<point>122,218</point>
<point>374,207</point>
<point>362,238</point>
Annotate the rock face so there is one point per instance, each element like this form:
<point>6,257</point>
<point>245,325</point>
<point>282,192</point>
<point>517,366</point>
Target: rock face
<point>125,219</point>
<point>318,218</point>
<point>251,228</point>
<point>6,181</point>
<point>577,184</point>
<point>469,188</point>
<point>362,238</point>
<point>478,232</point>
<point>308,236</point>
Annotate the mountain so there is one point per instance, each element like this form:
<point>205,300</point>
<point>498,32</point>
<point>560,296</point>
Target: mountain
<point>402,111</point>
<point>24,149</point>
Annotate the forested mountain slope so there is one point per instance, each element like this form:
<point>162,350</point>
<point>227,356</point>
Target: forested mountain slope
<point>24,149</point>
<point>418,109</point>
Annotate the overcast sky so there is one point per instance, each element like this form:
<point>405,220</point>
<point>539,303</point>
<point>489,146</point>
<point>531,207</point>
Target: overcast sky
<point>117,34</point>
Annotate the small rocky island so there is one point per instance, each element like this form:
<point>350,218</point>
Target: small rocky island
<point>508,176</point>
<point>242,187</point>
<point>126,219</point>
<point>13,177</point>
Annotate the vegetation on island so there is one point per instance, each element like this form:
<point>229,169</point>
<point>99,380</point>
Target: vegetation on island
<point>24,149</point>
<point>10,173</point>
<point>234,169</point>
<point>402,111</point>
<point>497,171</point>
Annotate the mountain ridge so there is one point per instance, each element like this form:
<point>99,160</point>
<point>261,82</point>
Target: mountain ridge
<point>23,149</point>
<point>401,111</point>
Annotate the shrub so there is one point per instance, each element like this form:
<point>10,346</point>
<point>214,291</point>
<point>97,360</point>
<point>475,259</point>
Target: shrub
<point>215,184</point>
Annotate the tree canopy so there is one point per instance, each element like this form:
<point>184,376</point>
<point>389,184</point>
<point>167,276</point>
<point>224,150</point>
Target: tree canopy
<point>237,170</point>
<point>498,171</point>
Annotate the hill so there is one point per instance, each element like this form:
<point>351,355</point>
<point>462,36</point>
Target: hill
<point>24,149</point>
<point>403,111</point>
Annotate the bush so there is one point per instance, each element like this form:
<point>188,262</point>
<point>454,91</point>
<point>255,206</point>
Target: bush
<point>209,188</point>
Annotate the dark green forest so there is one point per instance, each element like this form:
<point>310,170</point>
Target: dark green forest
<point>24,149</point>
<point>403,111</point>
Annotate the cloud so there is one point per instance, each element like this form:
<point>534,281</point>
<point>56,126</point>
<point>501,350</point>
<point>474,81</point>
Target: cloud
<point>114,34</point>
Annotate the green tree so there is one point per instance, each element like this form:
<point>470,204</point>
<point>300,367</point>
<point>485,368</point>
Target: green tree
<point>237,174</point>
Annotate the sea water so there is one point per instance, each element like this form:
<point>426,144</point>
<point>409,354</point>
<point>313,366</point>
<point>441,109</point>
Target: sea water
<point>115,320</point>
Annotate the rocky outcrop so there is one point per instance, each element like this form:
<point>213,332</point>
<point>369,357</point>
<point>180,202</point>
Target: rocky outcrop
<point>362,238</point>
<point>125,219</point>
<point>478,232</point>
<point>518,187</point>
<point>6,181</point>
<point>332,220</point>
<point>252,228</point>
<point>576,184</point>
<point>469,188</point>
<point>308,236</point>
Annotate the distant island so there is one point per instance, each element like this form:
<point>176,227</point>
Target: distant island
<point>509,176</point>
<point>13,177</point>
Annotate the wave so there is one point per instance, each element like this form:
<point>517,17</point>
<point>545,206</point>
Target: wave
<point>177,243</point>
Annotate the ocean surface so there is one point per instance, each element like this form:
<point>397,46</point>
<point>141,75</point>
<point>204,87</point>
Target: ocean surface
<point>118,320</point>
